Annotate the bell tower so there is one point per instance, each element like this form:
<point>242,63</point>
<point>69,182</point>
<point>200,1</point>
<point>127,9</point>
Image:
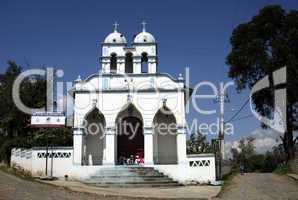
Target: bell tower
<point>117,57</point>
<point>113,54</point>
<point>146,52</point>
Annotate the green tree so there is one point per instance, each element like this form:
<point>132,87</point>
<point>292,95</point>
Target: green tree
<point>7,109</point>
<point>52,137</point>
<point>244,153</point>
<point>197,143</point>
<point>266,43</point>
<point>13,122</point>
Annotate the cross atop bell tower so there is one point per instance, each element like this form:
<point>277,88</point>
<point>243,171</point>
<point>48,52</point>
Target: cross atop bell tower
<point>144,26</point>
<point>115,26</point>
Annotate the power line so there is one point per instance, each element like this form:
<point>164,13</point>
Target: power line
<point>241,118</point>
<point>241,108</point>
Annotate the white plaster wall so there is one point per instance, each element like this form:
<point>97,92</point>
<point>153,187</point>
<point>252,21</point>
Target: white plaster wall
<point>22,157</point>
<point>148,103</point>
<point>110,104</point>
<point>144,81</point>
<point>185,173</point>
<point>78,142</point>
<point>36,165</point>
<point>107,50</point>
<point>149,49</point>
<point>61,166</point>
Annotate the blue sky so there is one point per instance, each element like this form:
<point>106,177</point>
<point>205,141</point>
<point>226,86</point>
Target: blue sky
<point>67,35</point>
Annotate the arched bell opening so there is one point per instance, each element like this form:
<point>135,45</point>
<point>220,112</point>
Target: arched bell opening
<point>113,63</point>
<point>144,63</point>
<point>128,63</point>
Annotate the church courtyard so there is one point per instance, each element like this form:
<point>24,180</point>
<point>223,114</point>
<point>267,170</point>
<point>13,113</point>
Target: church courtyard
<point>249,186</point>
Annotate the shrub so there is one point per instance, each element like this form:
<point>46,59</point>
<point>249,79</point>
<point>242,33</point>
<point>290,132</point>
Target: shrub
<point>282,169</point>
<point>8,145</point>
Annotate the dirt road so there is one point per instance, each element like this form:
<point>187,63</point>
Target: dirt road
<point>255,186</point>
<point>248,187</point>
<point>14,188</point>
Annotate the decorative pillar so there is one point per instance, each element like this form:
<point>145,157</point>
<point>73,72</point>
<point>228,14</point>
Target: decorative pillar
<point>152,65</point>
<point>148,146</point>
<point>110,151</point>
<point>137,66</point>
<point>181,145</point>
<point>121,65</point>
<point>78,139</point>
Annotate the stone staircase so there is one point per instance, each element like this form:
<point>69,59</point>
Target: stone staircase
<point>130,176</point>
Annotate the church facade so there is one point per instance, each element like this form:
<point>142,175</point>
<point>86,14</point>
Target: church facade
<point>129,114</point>
<point>130,90</point>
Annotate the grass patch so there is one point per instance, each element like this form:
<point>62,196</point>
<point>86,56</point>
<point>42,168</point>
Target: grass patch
<point>228,182</point>
<point>17,171</point>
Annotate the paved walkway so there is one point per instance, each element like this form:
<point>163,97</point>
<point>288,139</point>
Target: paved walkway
<point>14,188</point>
<point>256,186</point>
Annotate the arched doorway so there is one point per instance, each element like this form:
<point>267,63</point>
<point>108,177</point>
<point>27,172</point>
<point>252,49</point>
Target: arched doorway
<point>94,137</point>
<point>164,137</point>
<point>130,137</point>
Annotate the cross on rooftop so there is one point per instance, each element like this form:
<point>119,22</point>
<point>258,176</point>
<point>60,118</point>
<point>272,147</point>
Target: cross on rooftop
<point>115,26</point>
<point>144,25</point>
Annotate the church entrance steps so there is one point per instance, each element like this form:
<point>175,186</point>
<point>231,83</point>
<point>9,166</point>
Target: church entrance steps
<point>129,180</point>
<point>130,176</point>
<point>138,185</point>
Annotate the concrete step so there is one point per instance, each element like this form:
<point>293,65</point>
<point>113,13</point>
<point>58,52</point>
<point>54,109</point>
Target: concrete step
<point>130,176</point>
<point>129,173</point>
<point>139,185</point>
<point>129,180</point>
<point>125,167</point>
<point>108,174</point>
<point>127,176</point>
<point>127,170</point>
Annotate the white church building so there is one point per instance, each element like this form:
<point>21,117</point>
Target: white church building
<point>126,114</point>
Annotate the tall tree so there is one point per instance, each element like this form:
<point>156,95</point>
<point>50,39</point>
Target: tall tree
<point>14,129</point>
<point>197,143</point>
<point>8,110</point>
<point>244,152</point>
<point>269,41</point>
<point>13,122</point>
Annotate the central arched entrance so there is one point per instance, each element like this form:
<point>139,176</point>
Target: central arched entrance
<point>130,137</point>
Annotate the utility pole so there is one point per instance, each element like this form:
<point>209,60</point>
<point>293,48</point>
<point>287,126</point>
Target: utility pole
<point>221,99</point>
<point>221,123</point>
